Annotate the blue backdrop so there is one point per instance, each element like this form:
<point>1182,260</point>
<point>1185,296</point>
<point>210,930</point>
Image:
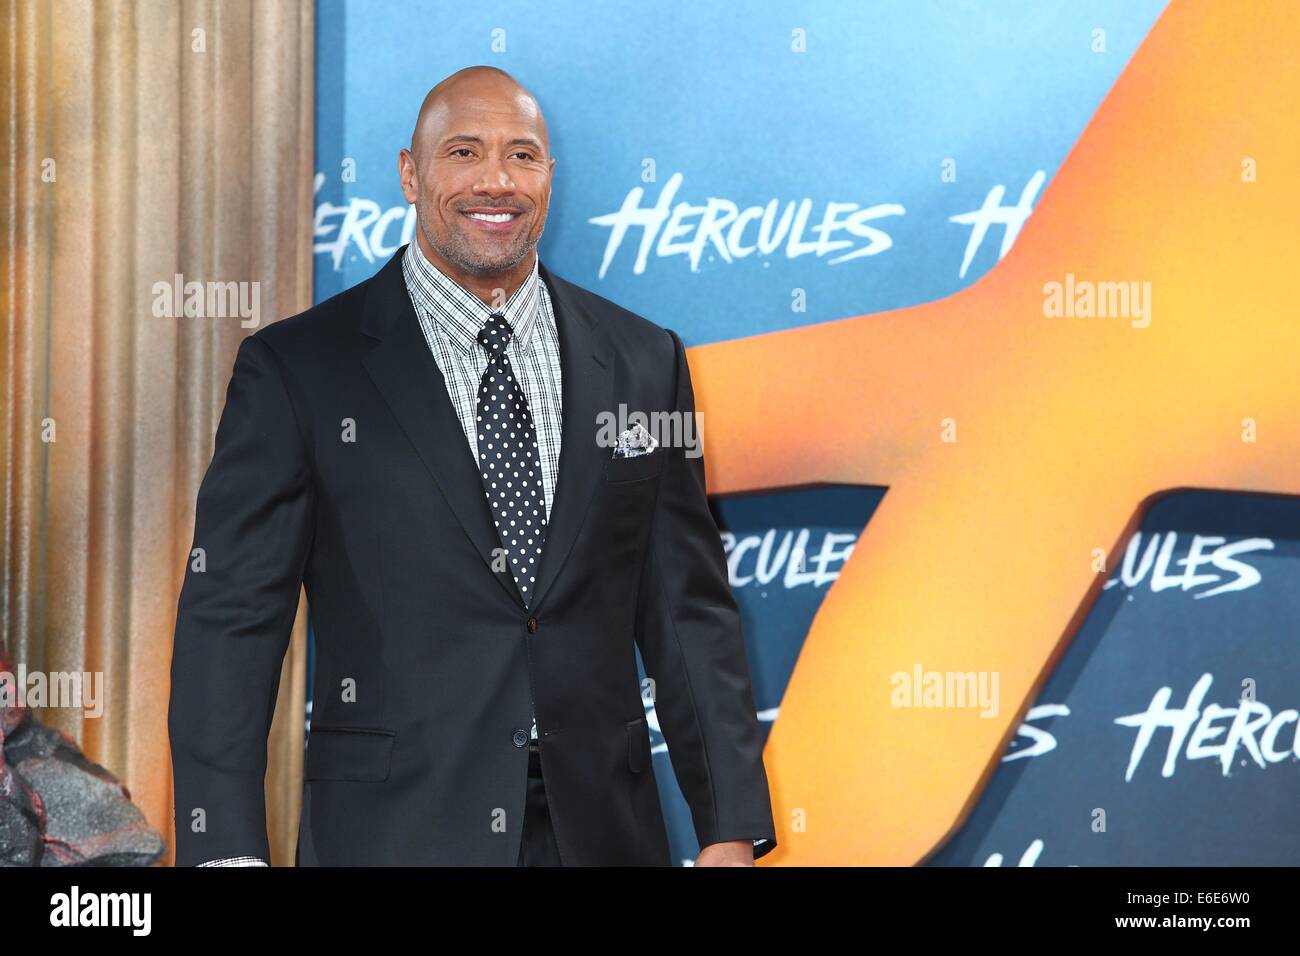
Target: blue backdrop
<point>712,158</point>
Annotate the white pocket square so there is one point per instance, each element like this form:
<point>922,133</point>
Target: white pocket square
<point>635,441</point>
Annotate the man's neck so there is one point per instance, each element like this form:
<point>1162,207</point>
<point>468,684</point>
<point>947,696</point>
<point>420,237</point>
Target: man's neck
<point>494,289</point>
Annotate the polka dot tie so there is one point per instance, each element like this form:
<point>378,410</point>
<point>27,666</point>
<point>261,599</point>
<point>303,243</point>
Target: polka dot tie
<point>509,461</point>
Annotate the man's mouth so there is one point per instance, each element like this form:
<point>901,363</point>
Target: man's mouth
<point>493,220</point>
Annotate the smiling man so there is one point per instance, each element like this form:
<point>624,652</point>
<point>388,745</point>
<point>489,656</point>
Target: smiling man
<point>422,453</point>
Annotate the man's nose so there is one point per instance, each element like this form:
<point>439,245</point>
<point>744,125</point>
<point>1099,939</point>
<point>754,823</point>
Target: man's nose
<point>496,179</point>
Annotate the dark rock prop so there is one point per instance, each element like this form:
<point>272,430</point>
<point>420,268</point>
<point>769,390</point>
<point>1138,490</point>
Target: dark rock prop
<point>59,809</point>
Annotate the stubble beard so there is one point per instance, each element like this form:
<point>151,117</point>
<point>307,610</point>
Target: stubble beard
<point>457,250</point>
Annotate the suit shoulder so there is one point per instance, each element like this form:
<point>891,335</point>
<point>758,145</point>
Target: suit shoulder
<point>329,322</point>
<point>623,326</point>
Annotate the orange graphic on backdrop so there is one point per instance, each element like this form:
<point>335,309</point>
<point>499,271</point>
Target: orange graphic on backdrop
<point>980,556</point>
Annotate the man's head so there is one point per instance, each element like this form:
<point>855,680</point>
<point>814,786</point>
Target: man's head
<point>479,152</point>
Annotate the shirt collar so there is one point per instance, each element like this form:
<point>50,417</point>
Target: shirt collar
<point>460,312</point>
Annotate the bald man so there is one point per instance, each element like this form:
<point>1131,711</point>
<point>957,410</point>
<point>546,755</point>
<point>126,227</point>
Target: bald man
<point>488,481</point>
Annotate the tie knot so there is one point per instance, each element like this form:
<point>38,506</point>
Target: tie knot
<point>495,334</point>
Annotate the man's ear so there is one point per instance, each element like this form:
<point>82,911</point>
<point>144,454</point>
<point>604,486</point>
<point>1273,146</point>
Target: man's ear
<point>406,174</point>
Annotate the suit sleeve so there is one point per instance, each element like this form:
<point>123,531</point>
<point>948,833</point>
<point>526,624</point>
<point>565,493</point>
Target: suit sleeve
<point>689,632</point>
<point>253,522</point>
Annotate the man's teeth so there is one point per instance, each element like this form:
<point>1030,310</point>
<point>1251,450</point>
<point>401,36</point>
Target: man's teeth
<point>499,217</point>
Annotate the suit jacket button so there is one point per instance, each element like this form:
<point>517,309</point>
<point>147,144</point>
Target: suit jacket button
<point>520,738</point>
<point>533,625</point>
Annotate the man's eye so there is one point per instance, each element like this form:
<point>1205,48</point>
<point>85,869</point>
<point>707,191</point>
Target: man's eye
<point>461,149</point>
<point>525,155</point>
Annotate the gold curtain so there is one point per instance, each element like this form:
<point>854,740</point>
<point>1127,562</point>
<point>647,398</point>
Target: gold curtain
<point>139,140</point>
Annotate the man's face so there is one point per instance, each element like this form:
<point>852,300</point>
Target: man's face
<point>480,177</point>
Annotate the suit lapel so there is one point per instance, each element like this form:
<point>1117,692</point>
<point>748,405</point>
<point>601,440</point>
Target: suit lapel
<point>587,388</point>
<point>406,374</point>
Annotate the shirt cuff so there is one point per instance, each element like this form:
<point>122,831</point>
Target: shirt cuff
<point>236,861</point>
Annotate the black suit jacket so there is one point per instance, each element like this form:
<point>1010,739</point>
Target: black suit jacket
<point>427,662</point>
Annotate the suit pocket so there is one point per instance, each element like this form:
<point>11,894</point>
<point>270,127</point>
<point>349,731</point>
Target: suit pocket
<point>636,468</point>
<point>348,753</point>
<point>638,745</point>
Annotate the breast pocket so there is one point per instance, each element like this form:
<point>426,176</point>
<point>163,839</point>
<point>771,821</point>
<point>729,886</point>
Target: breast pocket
<point>636,468</point>
<point>348,753</point>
